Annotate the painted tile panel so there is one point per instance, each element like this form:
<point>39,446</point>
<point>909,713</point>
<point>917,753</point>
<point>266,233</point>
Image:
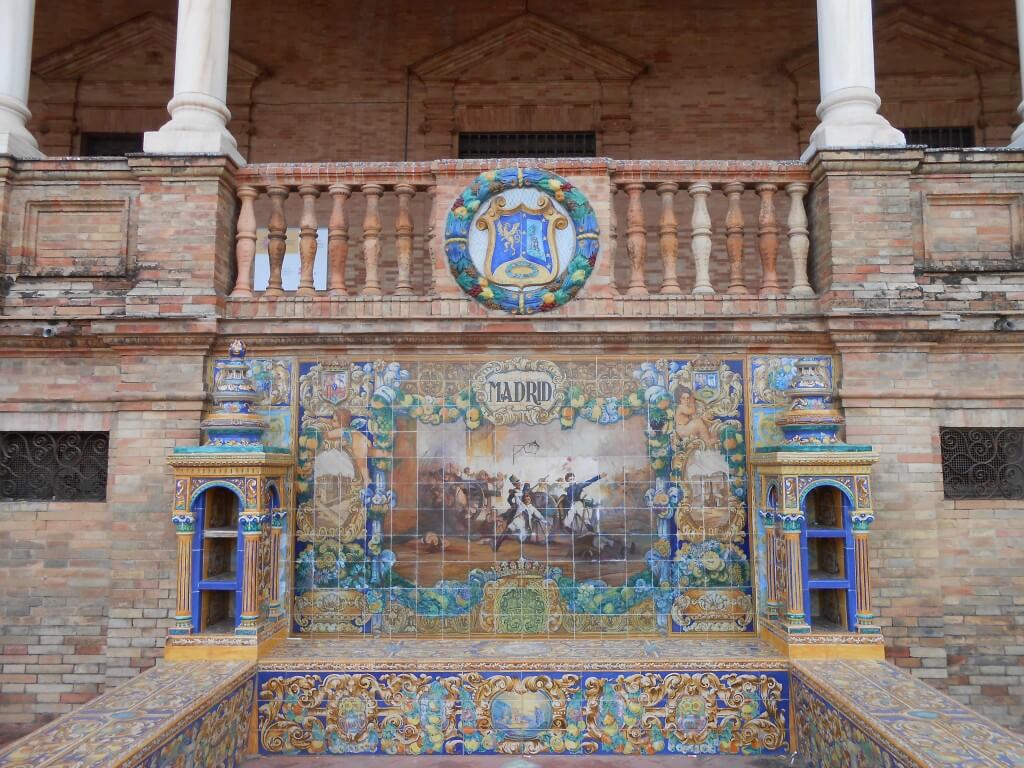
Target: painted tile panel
<point>478,495</point>
<point>527,712</point>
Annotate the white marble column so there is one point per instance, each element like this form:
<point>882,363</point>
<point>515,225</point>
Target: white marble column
<point>199,114</point>
<point>16,18</point>
<point>1018,134</point>
<point>846,66</point>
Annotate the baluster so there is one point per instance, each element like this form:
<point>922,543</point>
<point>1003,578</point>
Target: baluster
<point>403,240</point>
<point>734,236</point>
<point>245,242</point>
<point>337,240</point>
<point>438,264</point>
<point>276,236</point>
<point>636,239</point>
<point>613,241</point>
<point>799,242</point>
<point>701,237</point>
<point>371,238</point>
<point>307,239</point>
<point>768,240</point>
<point>668,237</point>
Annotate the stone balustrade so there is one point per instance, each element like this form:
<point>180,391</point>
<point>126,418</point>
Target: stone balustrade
<point>368,210</point>
<point>724,231</point>
<point>337,187</point>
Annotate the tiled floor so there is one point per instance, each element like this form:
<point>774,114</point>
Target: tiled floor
<point>440,761</point>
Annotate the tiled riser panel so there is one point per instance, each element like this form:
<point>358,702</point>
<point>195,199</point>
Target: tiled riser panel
<point>719,712</point>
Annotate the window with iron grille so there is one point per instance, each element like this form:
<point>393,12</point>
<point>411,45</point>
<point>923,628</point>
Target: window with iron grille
<point>53,466</point>
<point>982,463</point>
<point>528,144</point>
<point>110,144</point>
<point>942,136</point>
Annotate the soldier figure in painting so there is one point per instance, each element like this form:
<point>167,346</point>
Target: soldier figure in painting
<point>523,519</point>
<point>576,514</point>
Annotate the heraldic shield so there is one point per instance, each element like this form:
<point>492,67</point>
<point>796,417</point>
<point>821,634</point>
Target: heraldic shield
<point>521,248</point>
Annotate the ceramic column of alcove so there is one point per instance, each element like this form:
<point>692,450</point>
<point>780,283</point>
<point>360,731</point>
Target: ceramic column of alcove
<point>862,520</point>
<point>791,523</point>
<point>277,522</point>
<point>772,597</point>
<point>252,530</point>
<point>185,529</point>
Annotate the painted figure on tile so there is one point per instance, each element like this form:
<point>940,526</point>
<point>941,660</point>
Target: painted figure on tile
<point>697,449</point>
<point>523,519</point>
<point>577,511</point>
<point>348,447</point>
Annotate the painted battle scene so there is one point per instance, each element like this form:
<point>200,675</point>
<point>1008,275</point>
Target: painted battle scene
<point>522,496</point>
<point>524,493</point>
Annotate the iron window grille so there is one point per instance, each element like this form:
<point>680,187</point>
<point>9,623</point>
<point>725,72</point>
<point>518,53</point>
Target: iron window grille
<point>528,144</point>
<point>53,466</point>
<point>982,463</point>
<point>942,137</point>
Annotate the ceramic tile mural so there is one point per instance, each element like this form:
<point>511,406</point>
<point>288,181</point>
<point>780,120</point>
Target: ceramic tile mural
<point>413,713</point>
<point>530,496</point>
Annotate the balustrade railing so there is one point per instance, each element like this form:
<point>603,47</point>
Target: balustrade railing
<point>723,232</point>
<point>381,224</point>
<point>276,186</point>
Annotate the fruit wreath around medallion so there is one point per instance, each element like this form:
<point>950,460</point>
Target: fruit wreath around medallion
<point>521,240</point>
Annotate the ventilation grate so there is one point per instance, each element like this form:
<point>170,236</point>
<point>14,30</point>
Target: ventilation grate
<point>982,463</point>
<point>53,466</point>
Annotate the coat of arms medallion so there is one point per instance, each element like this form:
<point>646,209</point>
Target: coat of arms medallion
<point>521,240</point>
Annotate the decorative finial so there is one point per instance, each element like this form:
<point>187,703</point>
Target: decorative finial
<point>233,422</point>
<point>813,417</point>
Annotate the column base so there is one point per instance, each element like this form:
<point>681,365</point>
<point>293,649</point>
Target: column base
<point>877,133</point>
<point>793,626</point>
<point>22,147</point>
<point>172,141</point>
<point>850,120</point>
<point>1017,140</point>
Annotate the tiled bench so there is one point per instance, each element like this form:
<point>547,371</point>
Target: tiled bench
<point>175,714</point>
<point>872,714</point>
